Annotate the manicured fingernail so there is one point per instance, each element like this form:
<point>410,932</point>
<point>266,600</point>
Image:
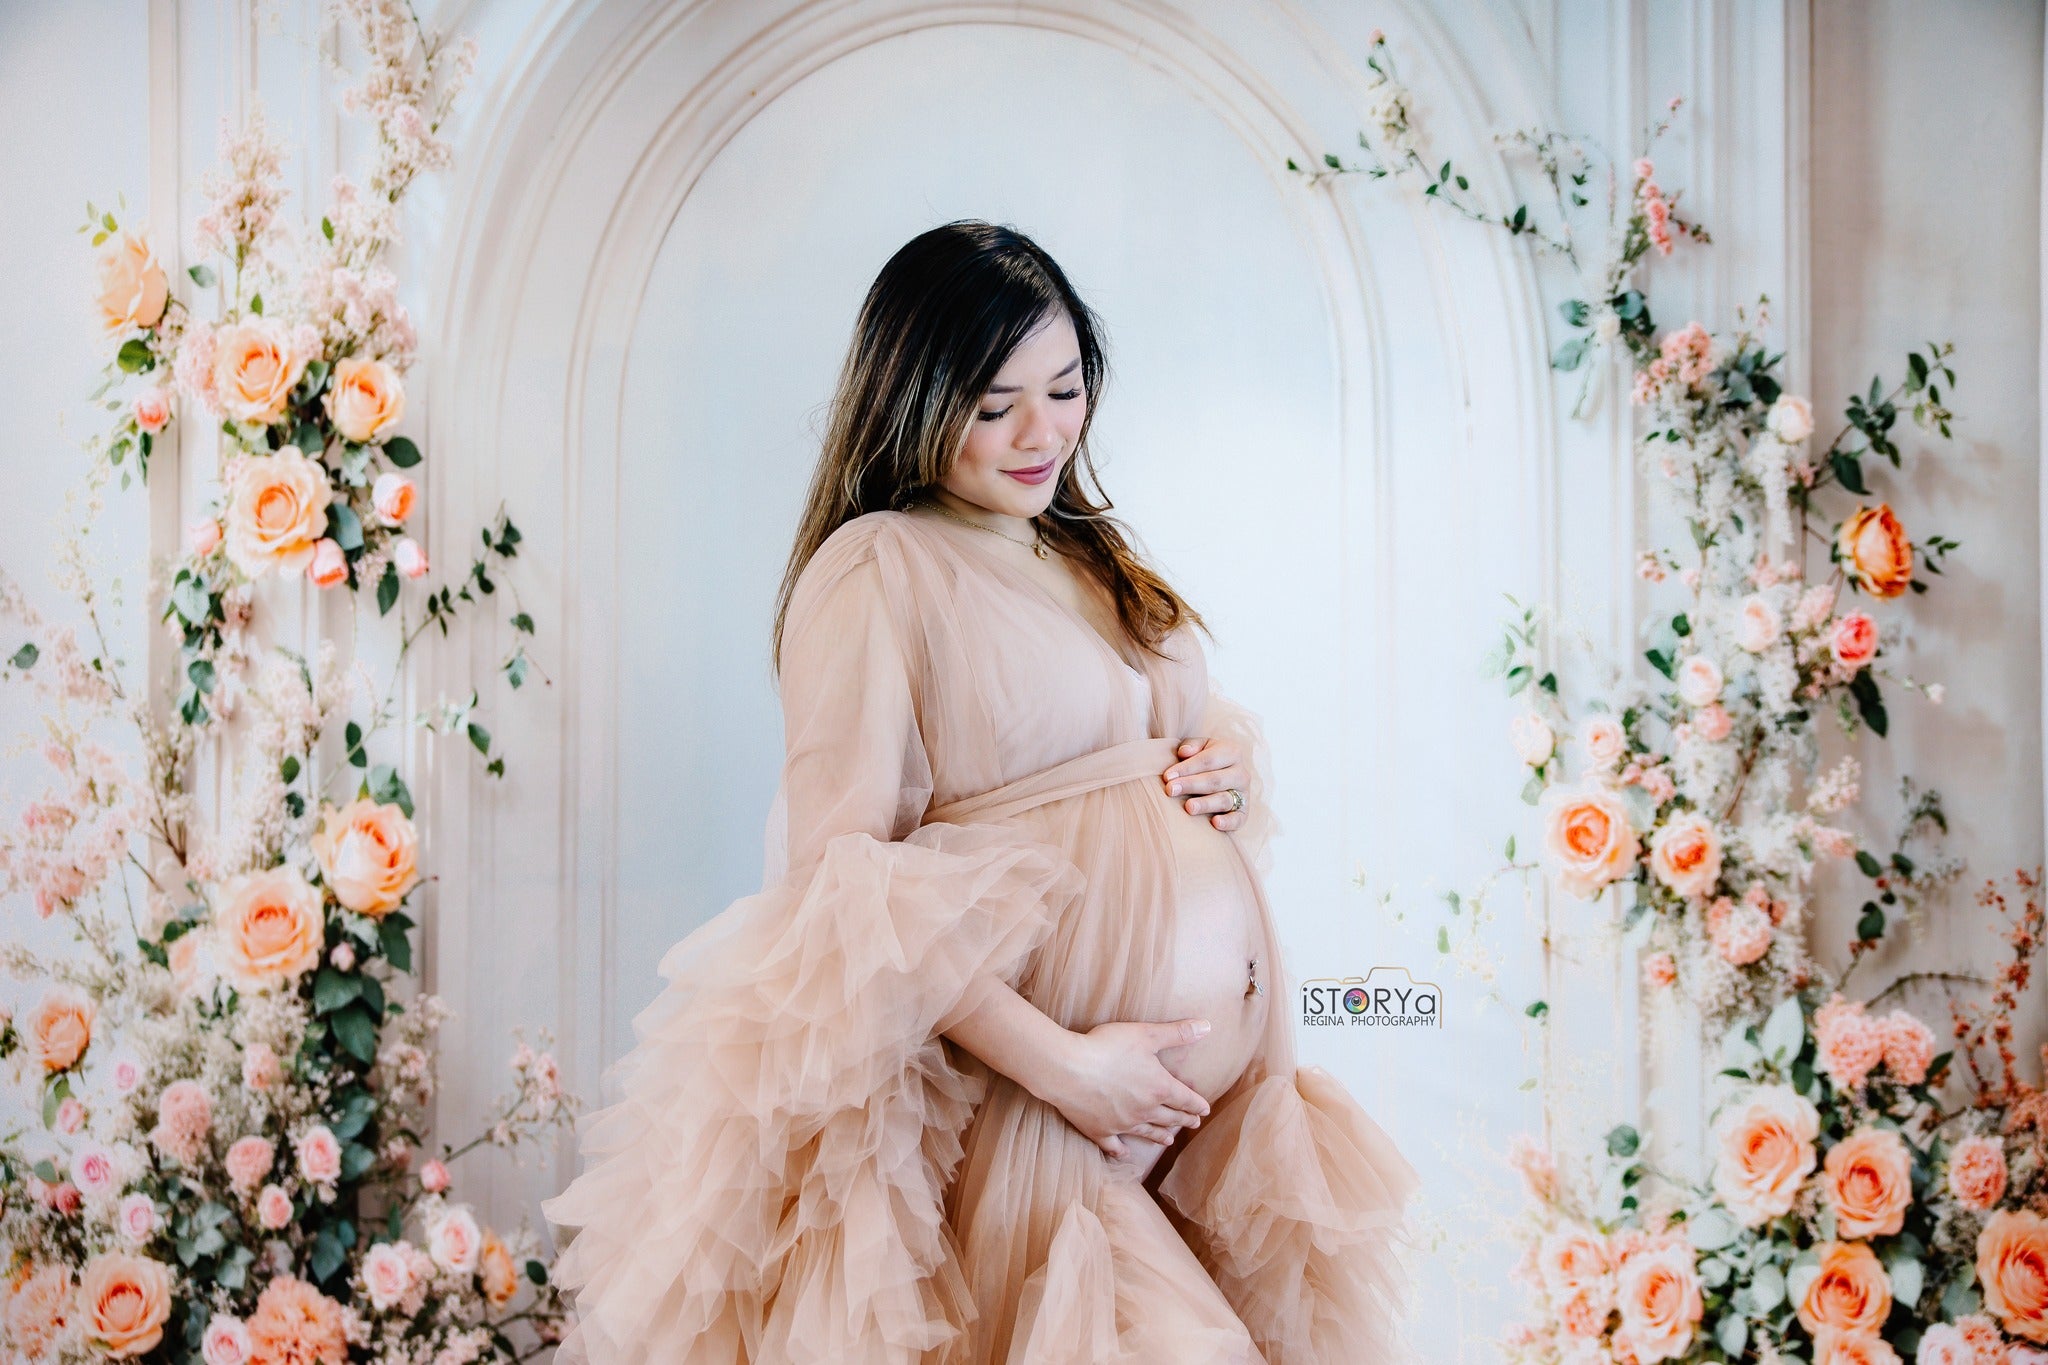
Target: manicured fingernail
<point>1173,787</point>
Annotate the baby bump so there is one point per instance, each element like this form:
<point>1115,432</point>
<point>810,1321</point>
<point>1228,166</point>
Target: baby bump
<point>1216,942</point>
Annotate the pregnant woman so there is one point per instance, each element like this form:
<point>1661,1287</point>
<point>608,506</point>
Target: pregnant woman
<point>996,1065</point>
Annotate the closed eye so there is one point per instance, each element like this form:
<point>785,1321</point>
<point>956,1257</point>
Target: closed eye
<point>1064,397</point>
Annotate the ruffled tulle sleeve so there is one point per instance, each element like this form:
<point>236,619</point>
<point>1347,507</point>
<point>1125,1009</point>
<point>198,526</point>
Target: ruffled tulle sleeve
<point>767,1182</point>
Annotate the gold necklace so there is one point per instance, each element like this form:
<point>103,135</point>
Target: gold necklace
<point>1036,544</point>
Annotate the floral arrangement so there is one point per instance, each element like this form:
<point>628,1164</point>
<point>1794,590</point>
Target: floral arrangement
<point>232,1080</point>
<point>1849,1218</point>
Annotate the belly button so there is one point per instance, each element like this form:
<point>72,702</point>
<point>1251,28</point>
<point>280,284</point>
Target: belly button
<point>1252,986</point>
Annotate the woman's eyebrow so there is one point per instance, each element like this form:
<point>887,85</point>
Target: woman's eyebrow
<point>1012,388</point>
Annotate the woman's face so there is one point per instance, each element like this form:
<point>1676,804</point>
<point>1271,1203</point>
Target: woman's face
<point>1029,421</point>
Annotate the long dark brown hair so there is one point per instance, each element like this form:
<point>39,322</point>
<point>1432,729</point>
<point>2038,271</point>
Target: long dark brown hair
<point>935,329</point>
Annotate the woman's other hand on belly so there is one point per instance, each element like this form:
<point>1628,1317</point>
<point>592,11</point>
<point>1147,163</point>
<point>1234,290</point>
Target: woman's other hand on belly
<point>1110,1083</point>
<point>1202,777</point>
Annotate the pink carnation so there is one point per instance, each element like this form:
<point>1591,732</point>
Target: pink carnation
<point>1740,933</point>
<point>249,1162</point>
<point>1908,1047</point>
<point>184,1116</point>
<point>1851,1043</point>
<point>1976,1172</point>
<point>1660,969</point>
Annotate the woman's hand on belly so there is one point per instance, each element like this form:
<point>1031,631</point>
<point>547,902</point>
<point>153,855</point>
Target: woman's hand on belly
<point>1112,1083</point>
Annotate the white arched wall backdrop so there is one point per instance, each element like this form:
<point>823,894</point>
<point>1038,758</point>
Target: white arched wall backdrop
<point>635,288</point>
<point>1332,419</point>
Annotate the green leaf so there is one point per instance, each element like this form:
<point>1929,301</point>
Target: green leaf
<point>1848,470</point>
<point>1872,868</point>
<point>327,229</point>
<point>1732,1332</point>
<point>25,657</point>
<point>200,671</point>
<point>333,989</point>
<point>1784,1032</point>
<point>256,304</point>
<point>328,1255</point>
<point>1571,354</point>
<point>397,947</point>
<point>480,737</point>
<point>1661,661</point>
<point>1712,1230</point>
<point>523,622</point>
<point>355,1159</point>
<point>1908,1277</point>
<point>1537,1009</point>
<point>402,453</point>
<point>289,769</point>
<point>192,601</point>
<point>356,1031</point>
<point>1863,688</point>
<point>202,275</point>
<point>344,526</point>
<point>134,356</point>
<point>387,590</point>
<point>390,789</point>
<point>1871,922</point>
<point>536,1272</point>
<point>1623,1140</point>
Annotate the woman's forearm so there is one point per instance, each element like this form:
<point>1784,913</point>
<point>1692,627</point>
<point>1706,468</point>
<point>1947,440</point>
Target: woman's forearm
<point>1010,1034</point>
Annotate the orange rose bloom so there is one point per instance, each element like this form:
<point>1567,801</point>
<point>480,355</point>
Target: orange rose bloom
<point>61,1028</point>
<point>1588,839</point>
<point>271,928</point>
<point>277,511</point>
<point>1870,1182</point>
<point>495,1271</point>
<point>125,1301</point>
<point>1851,1293</point>
<point>2012,1265</point>
<point>295,1324</point>
<point>1873,546</point>
<point>1832,1347</point>
<point>255,369</point>
<point>368,855</point>
<point>133,290</point>
<point>364,399</point>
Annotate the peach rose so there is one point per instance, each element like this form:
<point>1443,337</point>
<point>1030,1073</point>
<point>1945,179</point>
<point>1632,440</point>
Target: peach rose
<point>409,557</point>
<point>1870,1183</point>
<point>368,855</point>
<point>1686,854</point>
<point>133,290</point>
<point>1659,1295</point>
<point>255,367</point>
<point>1588,839</point>
<point>2012,1265</point>
<point>1699,680</point>
<point>1854,640</point>
<point>1976,1172</point>
<point>152,410</point>
<point>454,1241</point>
<point>1660,969</point>
<point>1712,722</point>
<point>1757,624</point>
<point>1765,1150</point>
<point>40,1310</point>
<point>1834,1347</point>
<point>1872,546</point>
<point>1604,741</point>
<point>277,512</point>
<point>270,927</point>
<point>1571,1260</point>
<point>495,1271</point>
<point>203,537</point>
<point>1790,419</point>
<point>365,399</point>
<point>60,1029</point>
<point>330,565</point>
<point>394,496</point>
<point>226,1340</point>
<point>1851,1293</point>
<point>124,1301</point>
<point>295,1324</point>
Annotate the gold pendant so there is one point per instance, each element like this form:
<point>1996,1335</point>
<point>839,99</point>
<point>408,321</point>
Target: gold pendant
<point>1038,548</point>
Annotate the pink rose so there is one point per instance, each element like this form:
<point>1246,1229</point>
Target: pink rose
<point>70,1115</point>
<point>328,565</point>
<point>136,1218</point>
<point>1660,970</point>
<point>1854,640</point>
<point>203,537</point>
<point>393,495</point>
<point>226,1341</point>
<point>343,957</point>
<point>434,1177</point>
<point>1757,624</point>
<point>319,1153</point>
<point>92,1170</point>
<point>1699,680</point>
<point>152,410</point>
<point>387,1275</point>
<point>454,1241</point>
<point>124,1074</point>
<point>1604,741</point>
<point>273,1208</point>
<point>249,1162</point>
<point>409,557</point>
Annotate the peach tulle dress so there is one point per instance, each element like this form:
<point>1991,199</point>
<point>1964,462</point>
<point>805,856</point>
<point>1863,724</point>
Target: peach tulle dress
<point>799,1167</point>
